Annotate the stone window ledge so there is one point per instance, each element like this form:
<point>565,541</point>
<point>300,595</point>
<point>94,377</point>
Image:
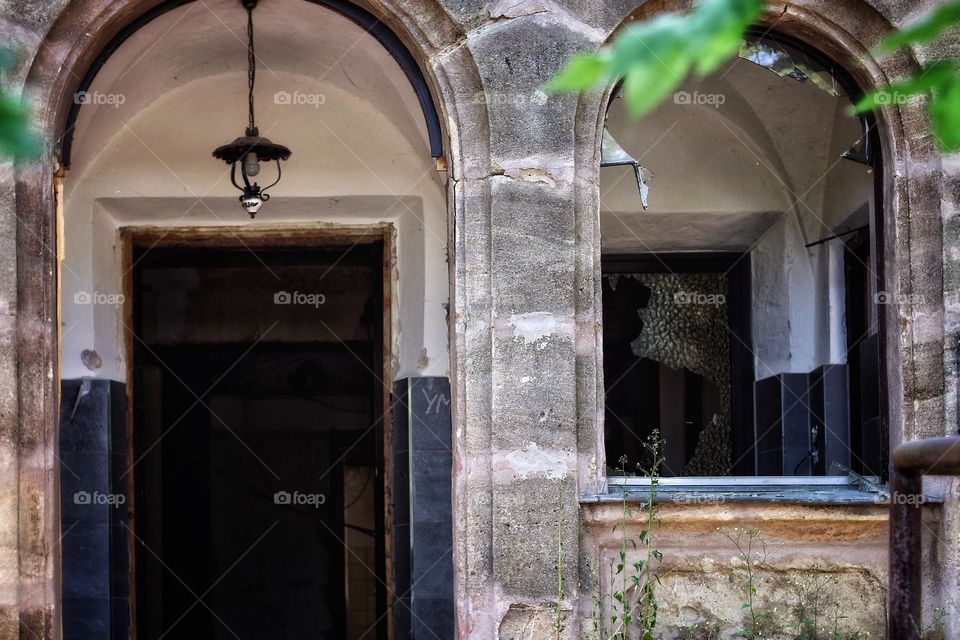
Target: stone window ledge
<point>810,490</point>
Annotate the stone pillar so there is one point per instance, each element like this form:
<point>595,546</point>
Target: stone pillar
<point>518,295</point>
<point>29,502</point>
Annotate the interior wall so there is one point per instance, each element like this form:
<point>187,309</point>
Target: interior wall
<point>743,161</point>
<point>143,157</point>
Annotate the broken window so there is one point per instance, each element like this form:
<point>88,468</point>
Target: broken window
<point>740,302</point>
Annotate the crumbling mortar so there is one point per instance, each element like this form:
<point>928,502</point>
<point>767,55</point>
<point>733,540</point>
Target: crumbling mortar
<point>441,53</point>
<point>547,12</point>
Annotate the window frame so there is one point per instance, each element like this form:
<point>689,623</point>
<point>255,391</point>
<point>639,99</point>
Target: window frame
<point>870,489</point>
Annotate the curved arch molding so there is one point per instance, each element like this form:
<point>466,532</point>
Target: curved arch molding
<point>363,18</point>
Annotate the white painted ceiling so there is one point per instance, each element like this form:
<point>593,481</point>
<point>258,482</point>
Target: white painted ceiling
<point>724,174</point>
<point>295,40</point>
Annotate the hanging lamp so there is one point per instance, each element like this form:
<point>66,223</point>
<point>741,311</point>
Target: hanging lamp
<point>251,149</point>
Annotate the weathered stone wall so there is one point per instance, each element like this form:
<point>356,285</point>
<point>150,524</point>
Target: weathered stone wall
<point>703,578</point>
<point>523,200</point>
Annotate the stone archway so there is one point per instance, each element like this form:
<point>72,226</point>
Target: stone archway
<point>846,32</point>
<point>916,244</point>
<point>62,59</point>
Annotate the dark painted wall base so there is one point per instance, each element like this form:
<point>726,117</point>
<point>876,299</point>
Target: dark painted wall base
<point>803,422</point>
<point>422,509</point>
<point>95,561</point>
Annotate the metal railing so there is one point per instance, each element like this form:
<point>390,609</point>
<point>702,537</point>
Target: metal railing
<point>910,462</point>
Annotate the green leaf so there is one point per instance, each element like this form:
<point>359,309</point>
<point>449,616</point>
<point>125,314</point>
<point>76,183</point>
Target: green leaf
<point>644,89</point>
<point>653,60</point>
<point>16,137</point>
<point>898,93</point>
<point>939,20</point>
<point>655,57</point>
<point>941,81</point>
<point>720,27</point>
<point>584,71</point>
<point>944,112</point>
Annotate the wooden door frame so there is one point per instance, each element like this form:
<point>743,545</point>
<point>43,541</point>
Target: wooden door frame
<point>253,237</point>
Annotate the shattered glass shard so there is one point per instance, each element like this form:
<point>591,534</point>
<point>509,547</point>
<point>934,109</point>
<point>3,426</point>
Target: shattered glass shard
<point>613,155</point>
<point>787,62</point>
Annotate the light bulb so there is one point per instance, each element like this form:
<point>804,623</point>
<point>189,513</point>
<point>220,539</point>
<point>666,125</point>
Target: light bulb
<point>251,166</point>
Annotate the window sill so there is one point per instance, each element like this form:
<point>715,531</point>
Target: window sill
<point>809,490</point>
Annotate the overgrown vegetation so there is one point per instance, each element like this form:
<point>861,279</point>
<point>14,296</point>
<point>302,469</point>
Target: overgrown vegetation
<point>810,610</point>
<point>654,57</point>
<point>753,553</point>
<point>810,590</point>
<point>632,602</point>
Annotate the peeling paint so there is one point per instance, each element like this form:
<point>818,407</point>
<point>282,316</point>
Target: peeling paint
<point>538,175</point>
<point>538,326</point>
<point>515,8</point>
<point>532,461</point>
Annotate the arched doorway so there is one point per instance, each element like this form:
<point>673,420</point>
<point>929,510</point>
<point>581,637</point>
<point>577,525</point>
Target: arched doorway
<point>351,263</point>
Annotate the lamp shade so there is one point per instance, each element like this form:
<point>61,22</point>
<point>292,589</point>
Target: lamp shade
<point>263,147</point>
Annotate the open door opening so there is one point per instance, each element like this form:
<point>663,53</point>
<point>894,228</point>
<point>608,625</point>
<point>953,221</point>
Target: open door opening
<point>257,443</point>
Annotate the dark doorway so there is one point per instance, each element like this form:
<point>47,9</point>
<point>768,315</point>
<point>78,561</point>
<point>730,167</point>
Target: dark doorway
<point>258,442</point>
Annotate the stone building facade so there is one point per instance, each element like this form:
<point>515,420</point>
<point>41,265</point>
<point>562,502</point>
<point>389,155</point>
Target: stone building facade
<point>521,173</point>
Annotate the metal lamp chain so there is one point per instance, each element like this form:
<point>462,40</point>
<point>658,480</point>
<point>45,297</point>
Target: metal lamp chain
<point>252,70</point>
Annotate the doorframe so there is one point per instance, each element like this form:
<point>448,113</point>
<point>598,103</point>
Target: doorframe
<point>254,237</point>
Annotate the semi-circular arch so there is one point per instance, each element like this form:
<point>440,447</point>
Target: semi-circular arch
<point>363,18</point>
<point>81,32</point>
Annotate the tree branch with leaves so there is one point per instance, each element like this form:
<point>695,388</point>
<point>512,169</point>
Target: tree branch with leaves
<point>655,57</point>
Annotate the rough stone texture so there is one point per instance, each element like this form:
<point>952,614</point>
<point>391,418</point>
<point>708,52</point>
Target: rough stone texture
<point>524,273</point>
<point>702,587</point>
<point>528,623</point>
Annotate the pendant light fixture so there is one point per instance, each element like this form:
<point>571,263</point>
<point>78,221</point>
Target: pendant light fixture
<point>251,149</point>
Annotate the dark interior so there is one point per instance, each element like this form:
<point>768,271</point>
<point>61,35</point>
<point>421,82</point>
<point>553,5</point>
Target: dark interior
<point>643,395</point>
<point>257,443</point>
